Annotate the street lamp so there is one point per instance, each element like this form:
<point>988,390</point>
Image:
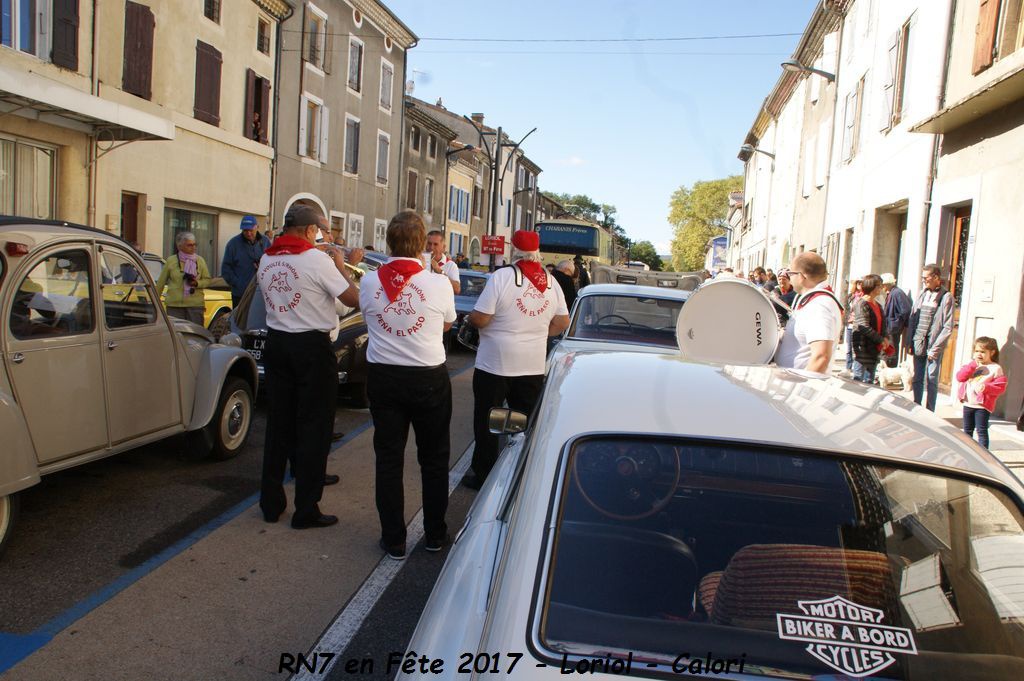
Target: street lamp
<point>748,149</point>
<point>794,66</point>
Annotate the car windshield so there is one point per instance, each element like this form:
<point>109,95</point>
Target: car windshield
<point>792,563</point>
<point>472,286</point>
<point>628,319</point>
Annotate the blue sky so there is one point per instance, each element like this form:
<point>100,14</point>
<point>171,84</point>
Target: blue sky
<point>626,123</point>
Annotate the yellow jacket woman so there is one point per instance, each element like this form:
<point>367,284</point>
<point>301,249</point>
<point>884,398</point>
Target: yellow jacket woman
<point>185,275</point>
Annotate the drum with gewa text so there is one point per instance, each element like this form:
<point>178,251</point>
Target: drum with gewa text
<point>729,321</point>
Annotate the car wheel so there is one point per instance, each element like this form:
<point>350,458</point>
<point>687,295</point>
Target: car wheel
<point>8,514</point>
<point>230,424</point>
<point>220,324</point>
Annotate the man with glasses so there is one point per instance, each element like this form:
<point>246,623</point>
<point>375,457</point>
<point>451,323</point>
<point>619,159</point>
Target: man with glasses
<point>931,325</point>
<point>817,317</point>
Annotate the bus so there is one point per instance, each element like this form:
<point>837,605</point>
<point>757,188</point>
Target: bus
<point>565,238</point>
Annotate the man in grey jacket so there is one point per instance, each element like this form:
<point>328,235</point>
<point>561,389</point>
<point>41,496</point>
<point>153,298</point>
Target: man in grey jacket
<point>931,325</point>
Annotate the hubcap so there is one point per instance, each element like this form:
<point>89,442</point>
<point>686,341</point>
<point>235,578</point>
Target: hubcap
<point>235,421</point>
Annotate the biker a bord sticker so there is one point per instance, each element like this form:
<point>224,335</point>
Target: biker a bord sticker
<point>846,636</point>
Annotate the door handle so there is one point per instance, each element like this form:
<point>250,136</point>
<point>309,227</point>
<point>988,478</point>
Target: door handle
<point>18,357</point>
<point>111,345</point>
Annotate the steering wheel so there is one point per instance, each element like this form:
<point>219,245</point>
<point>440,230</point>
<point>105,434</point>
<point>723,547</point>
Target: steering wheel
<point>622,480</point>
<point>613,316</point>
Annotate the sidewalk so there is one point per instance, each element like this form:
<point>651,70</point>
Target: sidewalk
<point>1005,441</point>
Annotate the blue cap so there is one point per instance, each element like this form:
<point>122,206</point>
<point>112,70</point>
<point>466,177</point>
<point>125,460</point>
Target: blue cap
<point>248,222</point>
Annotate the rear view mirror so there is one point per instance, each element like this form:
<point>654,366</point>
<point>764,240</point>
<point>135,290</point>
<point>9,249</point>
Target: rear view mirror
<point>500,420</point>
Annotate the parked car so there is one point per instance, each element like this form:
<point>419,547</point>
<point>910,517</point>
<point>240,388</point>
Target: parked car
<point>93,366</point>
<point>793,526</point>
<point>249,322</point>
<point>217,296</point>
<point>622,317</point>
<point>471,286</point>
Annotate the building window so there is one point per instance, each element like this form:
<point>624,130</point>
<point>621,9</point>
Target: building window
<point>351,145</point>
<point>315,38</point>
<point>211,10</point>
<point>380,234</point>
<point>383,156</point>
<point>414,139</point>
<point>313,129</point>
<point>355,231</point>
<point>207,98</point>
<point>431,146</point>
<point>25,26</point>
<point>203,225</point>
<point>410,190</point>
<point>1010,36</point>
<point>139,24</point>
<point>355,64</point>
<point>263,36</point>
<point>428,195</point>
<point>458,204</point>
<point>257,107</point>
<point>896,78</point>
<point>478,202</point>
<point>387,78</point>
<point>338,230</point>
<point>998,32</point>
<point>27,175</point>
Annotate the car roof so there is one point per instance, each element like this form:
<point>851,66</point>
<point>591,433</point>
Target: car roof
<point>669,395</point>
<point>633,290</point>
<point>34,232</point>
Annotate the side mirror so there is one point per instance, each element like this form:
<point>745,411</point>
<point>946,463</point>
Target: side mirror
<point>500,420</point>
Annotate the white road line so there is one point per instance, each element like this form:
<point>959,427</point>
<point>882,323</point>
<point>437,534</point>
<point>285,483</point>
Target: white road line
<point>346,625</point>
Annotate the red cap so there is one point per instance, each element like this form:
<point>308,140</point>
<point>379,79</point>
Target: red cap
<point>526,241</point>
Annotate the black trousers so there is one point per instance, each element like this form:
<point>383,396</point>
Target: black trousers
<point>491,390</point>
<point>301,382</point>
<point>421,397</point>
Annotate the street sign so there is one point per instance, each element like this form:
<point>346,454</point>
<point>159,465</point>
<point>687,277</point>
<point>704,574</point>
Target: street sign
<point>492,245</point>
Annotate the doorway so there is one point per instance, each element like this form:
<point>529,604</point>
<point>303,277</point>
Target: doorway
<point>961,235</point>
<point>130,217</point>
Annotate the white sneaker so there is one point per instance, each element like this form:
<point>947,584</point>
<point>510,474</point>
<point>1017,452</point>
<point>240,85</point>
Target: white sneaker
<point>845,373</point>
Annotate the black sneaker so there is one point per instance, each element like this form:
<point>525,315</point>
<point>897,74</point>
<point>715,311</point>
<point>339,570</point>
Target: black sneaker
<point>396,552</point>
<point>435,545</point>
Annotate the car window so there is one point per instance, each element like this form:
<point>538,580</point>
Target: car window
<point>127,301</point>
<point>154,266</point>
<point>792,561</point>
<point>629,319</point>
<point>472,286</point>
<point>54,300</point>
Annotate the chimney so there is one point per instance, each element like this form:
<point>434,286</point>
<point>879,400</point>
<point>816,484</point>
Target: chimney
<point>478,118</point>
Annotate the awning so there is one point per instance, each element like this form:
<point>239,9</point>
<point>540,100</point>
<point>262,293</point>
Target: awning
<point>1007,89</point>
<point>36,97</point>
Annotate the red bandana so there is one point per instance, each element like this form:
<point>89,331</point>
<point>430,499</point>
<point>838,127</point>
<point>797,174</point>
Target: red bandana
<point>286,244</point>
<point>395,275</point>
<point>535,272</point>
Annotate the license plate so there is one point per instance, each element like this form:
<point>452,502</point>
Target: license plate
<point>255,348</point>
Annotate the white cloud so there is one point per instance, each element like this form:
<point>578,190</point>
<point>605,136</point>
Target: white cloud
<point>663,247</point>
<point>571,161</point>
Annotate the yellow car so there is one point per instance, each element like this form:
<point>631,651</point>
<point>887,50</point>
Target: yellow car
<point>217,296</point>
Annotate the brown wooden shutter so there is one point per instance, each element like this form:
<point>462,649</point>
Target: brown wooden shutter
<point>264,94</point>
<point>65,34</point>
<point>985,35</point>
<point>305,34</point>
<point>207,101</point>
<point>250,104</point>
<point>328,47</point>
<point>139,25</point>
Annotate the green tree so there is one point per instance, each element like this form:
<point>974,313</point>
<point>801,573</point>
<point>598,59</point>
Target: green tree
<point>643,251</point>
<point>697,214</point>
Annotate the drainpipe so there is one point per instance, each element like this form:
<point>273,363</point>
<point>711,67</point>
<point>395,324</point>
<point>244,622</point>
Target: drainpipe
<point>277,108</point>
<point>831,144</point>
<point>92,159</point>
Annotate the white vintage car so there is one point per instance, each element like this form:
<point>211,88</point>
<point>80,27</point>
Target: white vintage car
<point>734,521</point>
<point>93,366</point>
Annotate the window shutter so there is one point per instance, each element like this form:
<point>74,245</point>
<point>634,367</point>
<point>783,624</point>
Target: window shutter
<point>325,128</point>
<point>264,94</point>
<point>305,33</point>
<point>848,119</point>
<point>985,35</point>
<point>207,98</point>
<point>890,81</point>
<point>303,107</point>
<point>328,48</point>
<point>65,34</point>
<point>137,74</point>
<point>250,104</point>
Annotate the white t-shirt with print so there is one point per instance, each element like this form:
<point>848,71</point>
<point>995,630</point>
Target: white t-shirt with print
<point>410,330</point>
<point>450,270</point>
<point>819,320</point>
<point>299,290</point>
<point>515,342</point>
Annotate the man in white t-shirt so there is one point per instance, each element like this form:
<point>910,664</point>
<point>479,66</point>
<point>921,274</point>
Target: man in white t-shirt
<point>299,285</point>
<point>817,317</point>
<point>519,308</point>
<point>440,263</point>
<point>407,310</point>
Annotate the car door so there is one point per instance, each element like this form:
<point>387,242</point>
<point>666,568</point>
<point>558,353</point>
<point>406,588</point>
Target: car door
<point>139,363</point>
<point>53,354</point>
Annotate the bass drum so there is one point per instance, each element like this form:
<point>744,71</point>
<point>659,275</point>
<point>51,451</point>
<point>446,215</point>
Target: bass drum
<point>728,321</point>
<point>469,335</point>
